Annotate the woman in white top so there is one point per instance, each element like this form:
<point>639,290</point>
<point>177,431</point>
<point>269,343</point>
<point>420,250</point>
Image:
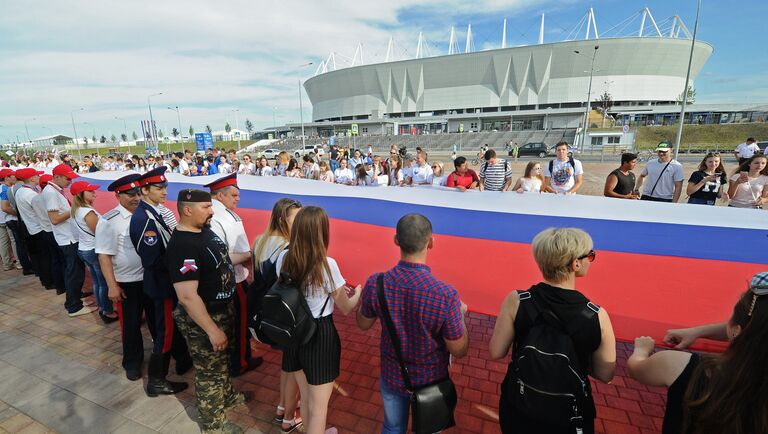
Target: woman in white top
<point>325,173</point>
<point>531,180</point>
<point>749,184</point>
<point>396,178</point>
<point>438,177</point>
<point>362,177</point>
<point>246,167</point>
<point>224,166</point>
<point>320,280</point>
<point>343,175</point>
<point>263,167</point>
<point>266,248</point>
<point>85,218</point>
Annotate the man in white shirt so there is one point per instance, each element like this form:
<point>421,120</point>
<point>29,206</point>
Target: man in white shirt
<point>421,173</point>
<point>36,244</point>
<point>228,226</point>
<point>343,174</point>
<point>564,174</point>
<point>746,150</point>
<point>665,177</point>
<point>51,258</point>
<point>59,213</point>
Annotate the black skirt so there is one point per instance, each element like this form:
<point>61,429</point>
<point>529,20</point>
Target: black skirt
<point>320,357</point>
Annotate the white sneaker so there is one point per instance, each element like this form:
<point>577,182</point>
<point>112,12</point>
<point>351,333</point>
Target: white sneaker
<point>88,302</point>
<point>332,430</point>
<point>83,311</point>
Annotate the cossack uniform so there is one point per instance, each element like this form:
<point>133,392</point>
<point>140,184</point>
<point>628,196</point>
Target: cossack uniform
<point>229,228</point>
<point>149,235</point>
<point>113,239</point>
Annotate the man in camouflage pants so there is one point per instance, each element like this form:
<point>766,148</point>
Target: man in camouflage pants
<point>202,274</point>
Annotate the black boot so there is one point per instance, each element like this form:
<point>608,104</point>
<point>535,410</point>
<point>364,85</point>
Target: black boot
<point>157,384</point>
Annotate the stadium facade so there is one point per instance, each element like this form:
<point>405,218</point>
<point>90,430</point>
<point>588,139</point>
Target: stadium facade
<point>534,87</point>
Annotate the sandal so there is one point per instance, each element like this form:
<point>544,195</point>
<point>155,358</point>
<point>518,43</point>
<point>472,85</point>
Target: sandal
<point>294,425</point>
<point>278,419</point>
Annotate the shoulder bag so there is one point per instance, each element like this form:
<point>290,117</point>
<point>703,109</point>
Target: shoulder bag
<point>432,405</point>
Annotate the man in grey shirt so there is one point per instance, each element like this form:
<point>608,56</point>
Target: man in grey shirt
<point>665,177</point>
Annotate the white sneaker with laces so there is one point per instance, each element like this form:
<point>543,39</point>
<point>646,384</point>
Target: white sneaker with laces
<point>83,311</point>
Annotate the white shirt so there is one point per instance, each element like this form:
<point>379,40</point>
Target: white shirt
<point>747,151</point>
<point>317,296</point>
<point>563,176</point>
<point>246,169</point>
<point>264,171</point>
<point>86,237</point>
<point>24,197</point>
<point>421,174</point>
<point>113,239</point>
<point>183,166</point>
<point>654,170</point>
<point>747,193</point>
<point>56,201</point>
<point>343,176</point>
<point>229,227</point>
<point>38,205</point>
<point>225,168</point>
<point>395,180</point>
<point>530,185</point>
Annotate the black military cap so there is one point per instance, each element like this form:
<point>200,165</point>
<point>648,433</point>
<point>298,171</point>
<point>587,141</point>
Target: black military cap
<point>193,195</point>
<point>126,184</point>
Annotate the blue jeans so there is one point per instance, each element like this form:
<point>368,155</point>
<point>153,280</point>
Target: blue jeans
<point>74,276</point>
<point>697,201</point>
<point>91,260</point>
<point>334,165</point>
<point>396,409</point>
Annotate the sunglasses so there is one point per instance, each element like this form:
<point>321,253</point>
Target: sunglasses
<point>757,291</point>
<point>590,256</point>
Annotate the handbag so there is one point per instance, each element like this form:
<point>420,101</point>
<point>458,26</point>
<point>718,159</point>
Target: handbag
<point>432,405</point>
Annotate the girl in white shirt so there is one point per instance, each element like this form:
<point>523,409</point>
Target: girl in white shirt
<point>343,175</point>
<point>531,180</point>
<point>325,173</point>
<point>84,217</point>
<point>749,184</point>
<point>224,166</point>
<point>323,286</point>
<point>396,178</point>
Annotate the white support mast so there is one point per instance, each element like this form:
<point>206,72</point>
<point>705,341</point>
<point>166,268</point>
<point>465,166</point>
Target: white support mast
<point>653,21</point>
<point>591,24</point>
<point>541,30</point>
<point>453,46</point>
<point>674,25</point>
<point>390,50</point>
<point>642,22</point>
<point>468,48</point>
<point>504,35</point>
<point>420,46</point>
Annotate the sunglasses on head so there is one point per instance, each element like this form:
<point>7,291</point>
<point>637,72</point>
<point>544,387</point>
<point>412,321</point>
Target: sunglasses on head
<point>590,256</point>
<point>757,291</point>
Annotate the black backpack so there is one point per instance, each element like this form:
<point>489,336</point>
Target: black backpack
<point>571,161</point>
<point>286,319</point>
<point>545,380</point>
<point>264,276</point>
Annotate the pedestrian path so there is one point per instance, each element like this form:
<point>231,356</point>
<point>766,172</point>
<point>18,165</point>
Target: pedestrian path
<point>61,374</point>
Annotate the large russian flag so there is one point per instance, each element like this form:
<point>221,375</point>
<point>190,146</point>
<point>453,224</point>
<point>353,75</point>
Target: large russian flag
<point>658,265</point>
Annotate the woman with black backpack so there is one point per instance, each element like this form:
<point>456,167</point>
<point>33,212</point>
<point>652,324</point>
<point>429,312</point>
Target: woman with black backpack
<point>558,339</point>
<point>316,364</point>
<point>266,249</point>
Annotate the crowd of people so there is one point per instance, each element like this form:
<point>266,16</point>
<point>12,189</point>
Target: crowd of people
<point>199,282</point>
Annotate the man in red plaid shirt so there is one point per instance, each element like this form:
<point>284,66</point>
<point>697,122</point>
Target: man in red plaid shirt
<point>428,316</point>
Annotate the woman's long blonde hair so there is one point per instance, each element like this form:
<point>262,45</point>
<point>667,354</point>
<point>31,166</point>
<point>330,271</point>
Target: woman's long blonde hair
<point>306,261</point>
<point>278,226</point>
<point>78,201</point>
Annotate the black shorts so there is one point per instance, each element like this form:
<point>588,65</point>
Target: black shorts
<point>320,357</point>
<point>654,199</point>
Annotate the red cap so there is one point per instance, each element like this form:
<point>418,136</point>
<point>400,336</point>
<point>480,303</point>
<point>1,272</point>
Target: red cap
<point>45,179</point>
<point>223,182</point>
<point>154,176</point>
<point>27,173</point>
<point>4,173</point>
<point>66,170</point>
<point>81,186</point>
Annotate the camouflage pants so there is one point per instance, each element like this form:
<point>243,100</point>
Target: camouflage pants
<point>213,385</point>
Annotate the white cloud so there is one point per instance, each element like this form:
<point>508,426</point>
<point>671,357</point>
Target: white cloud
<point>206,57</point>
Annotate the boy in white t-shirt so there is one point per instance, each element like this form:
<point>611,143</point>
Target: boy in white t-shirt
<point>564,174</point>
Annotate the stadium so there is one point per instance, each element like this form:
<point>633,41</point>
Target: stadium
<point>540,87</point>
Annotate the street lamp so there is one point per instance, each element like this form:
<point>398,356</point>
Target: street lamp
<point>77,143</point>
<point>589,95</point>
<point>178,117</point>
<point>301,110</point>
<point>125,128</point>
<point>27,129</point>
<point>152,120</point>
<point>274,123</point>
<point>237,127</point>
<point>679,135</point>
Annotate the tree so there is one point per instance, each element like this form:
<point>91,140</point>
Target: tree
<point>113,139</point>
<point>93,139</point>
<point>249,126</point>
<point>606,101</point>
<point>191,131</point>
<point>175,132</point>
<point>85,139</point>
<point>227,127</point>
<point>208,129</point>
<point>102,139</point>
<point>135,136</point>
<point>691,96</point>
<point>160,134</point>
<point>123,137</point>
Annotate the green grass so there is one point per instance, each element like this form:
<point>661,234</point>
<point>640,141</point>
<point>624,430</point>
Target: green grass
<point>702,136</point>
<point>174,147</point>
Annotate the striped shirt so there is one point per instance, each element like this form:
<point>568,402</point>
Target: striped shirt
<point>495,175</point>
<point>168,216</point>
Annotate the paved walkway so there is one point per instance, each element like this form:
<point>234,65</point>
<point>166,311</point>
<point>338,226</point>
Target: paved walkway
<point>61,374</point>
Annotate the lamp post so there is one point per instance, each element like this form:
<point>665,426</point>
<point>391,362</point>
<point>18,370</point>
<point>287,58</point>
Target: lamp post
<point>589,95</point>
<point>301,110</point>
<point>152,120</point>
<point>679,136</point>
<point>178,118</point>
<point>274,123</point>
<point>125,127</point>
<point>237,127</point>
<point>26,128</point>
<point>77,143</point>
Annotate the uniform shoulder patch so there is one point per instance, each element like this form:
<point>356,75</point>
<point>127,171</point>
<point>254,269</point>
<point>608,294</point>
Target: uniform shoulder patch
<point>150,238</point>
<point>111,214</point>
<point>234,215</point>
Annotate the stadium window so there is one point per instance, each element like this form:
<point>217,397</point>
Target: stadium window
<point>614,140</point>
<point>365,130</point>
<point>597,141</point>
<point>473,125</point>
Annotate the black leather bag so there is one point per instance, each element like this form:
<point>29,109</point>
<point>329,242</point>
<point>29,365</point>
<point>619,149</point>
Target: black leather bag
<point>432,405</point>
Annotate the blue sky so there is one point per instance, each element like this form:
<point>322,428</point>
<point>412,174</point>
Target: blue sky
<point>211,59</point>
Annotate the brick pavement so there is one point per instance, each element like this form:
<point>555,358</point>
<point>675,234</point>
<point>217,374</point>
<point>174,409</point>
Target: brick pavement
<point>61,374</point>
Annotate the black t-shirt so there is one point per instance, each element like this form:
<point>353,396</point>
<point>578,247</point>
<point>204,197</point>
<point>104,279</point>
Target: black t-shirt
<point>625,184</point>
<point>334,153</point>
<point>710,189</point>
<point>202,257</point>
<point>673,416</point>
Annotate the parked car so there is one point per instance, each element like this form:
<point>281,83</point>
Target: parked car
<point>538,149</point>
<point>271,154</point>
<point>307,149</point>
<point>763,146</point>
<point>571,151</point>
